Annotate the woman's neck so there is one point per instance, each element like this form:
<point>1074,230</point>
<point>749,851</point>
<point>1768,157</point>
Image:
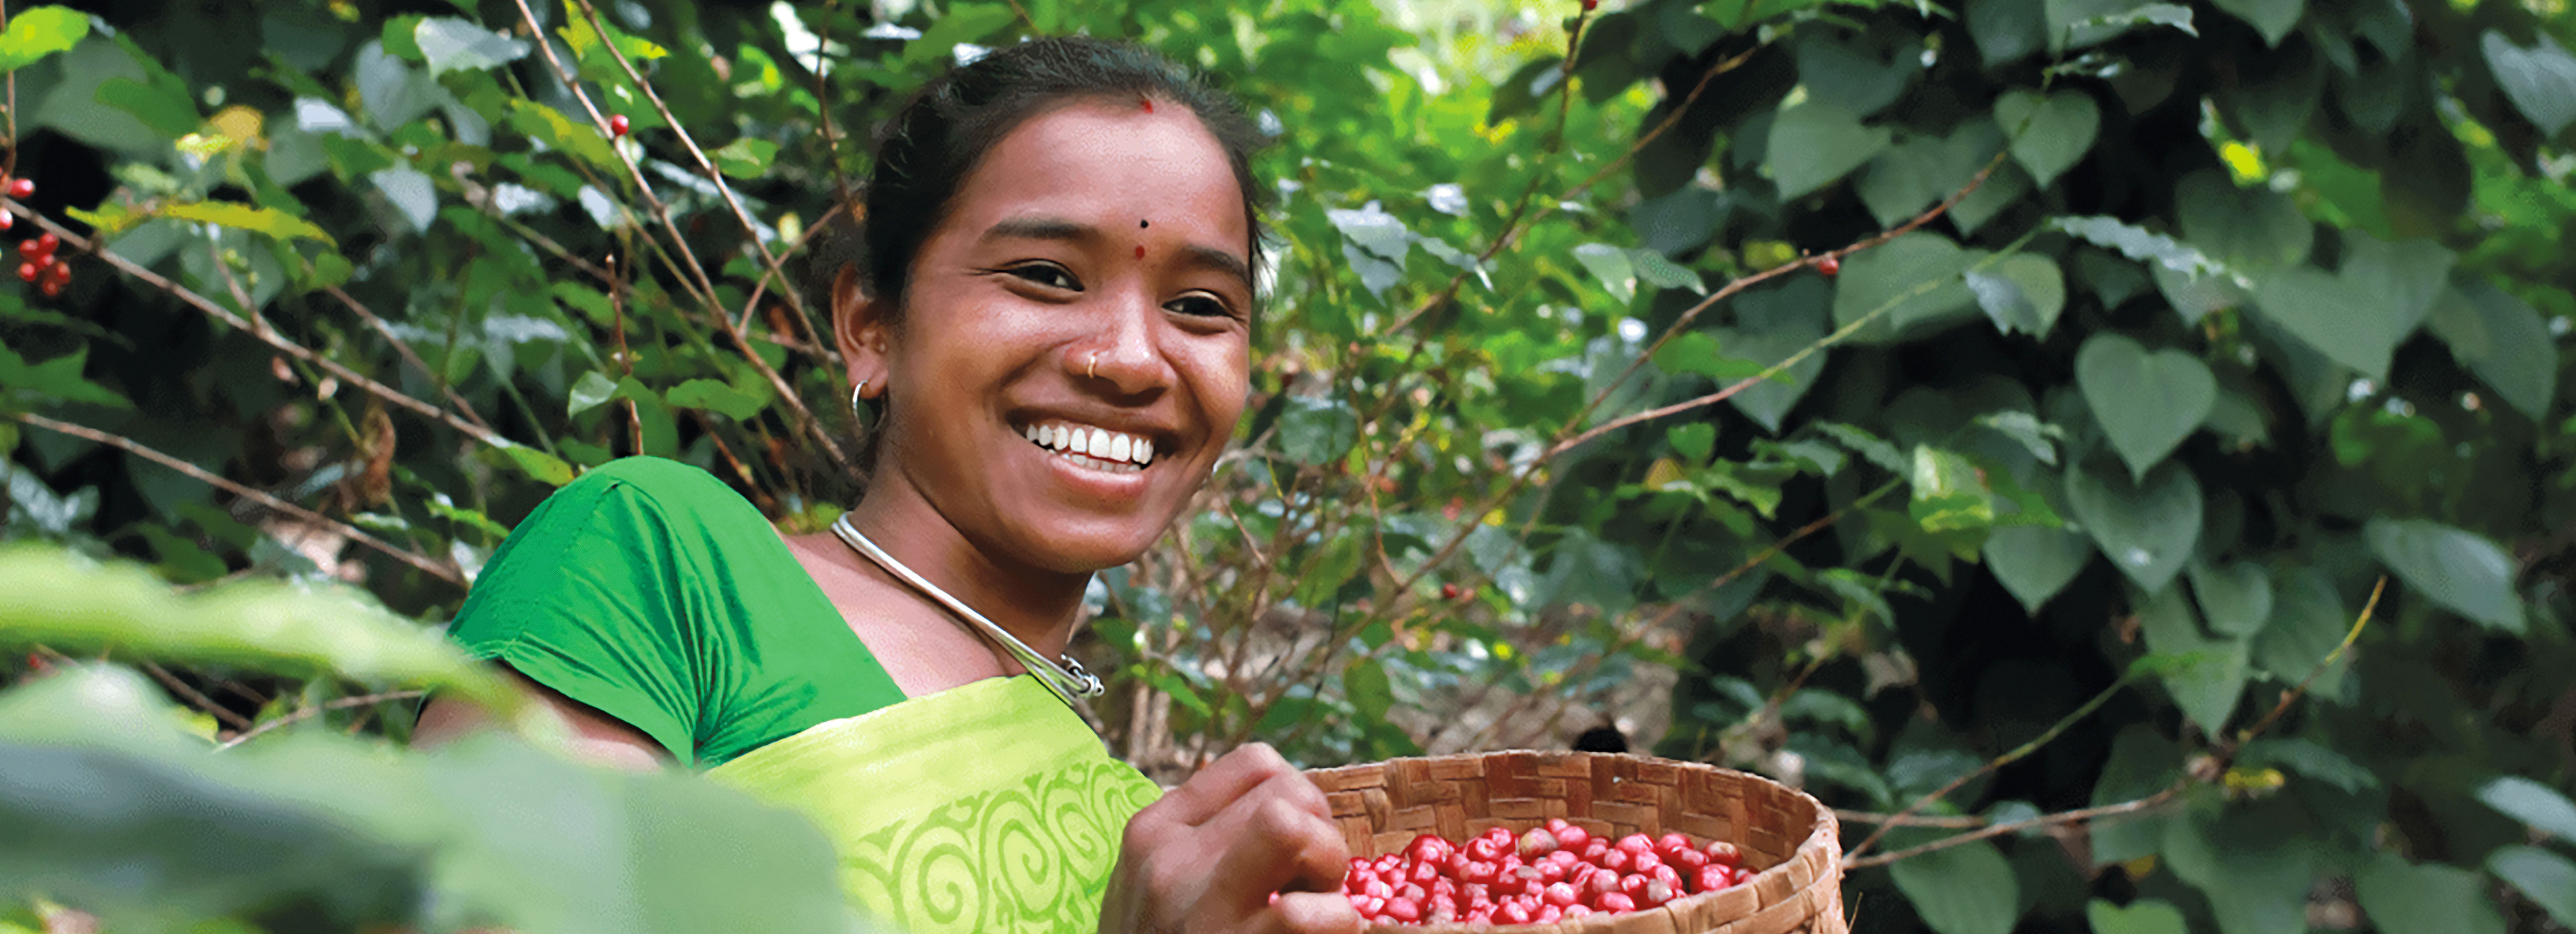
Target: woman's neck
<point>1036,605</point>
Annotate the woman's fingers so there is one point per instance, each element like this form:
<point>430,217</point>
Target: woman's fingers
<point>1208,793</point>
<point>1277,847</point>
<point>1311,913</point>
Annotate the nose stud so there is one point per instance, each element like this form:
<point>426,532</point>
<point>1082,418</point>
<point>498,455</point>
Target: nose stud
<point>1094,371</point>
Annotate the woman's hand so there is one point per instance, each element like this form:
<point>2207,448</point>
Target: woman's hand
<point>1209,855</point>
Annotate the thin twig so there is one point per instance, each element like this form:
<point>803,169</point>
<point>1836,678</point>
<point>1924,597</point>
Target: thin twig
<point>194,697</point>
<point>308,713</point>
<point>2066,817</point>
<point>2249,733</point>
<point>2008,758</point>
<point>259,330</point>
<point>404,348</point>
<point>433,568</point>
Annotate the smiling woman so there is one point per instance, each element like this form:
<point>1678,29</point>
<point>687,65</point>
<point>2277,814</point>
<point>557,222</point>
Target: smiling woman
<point>1051,303</point>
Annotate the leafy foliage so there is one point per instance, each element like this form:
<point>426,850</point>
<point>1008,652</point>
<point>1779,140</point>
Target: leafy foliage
<point>2255,300</point>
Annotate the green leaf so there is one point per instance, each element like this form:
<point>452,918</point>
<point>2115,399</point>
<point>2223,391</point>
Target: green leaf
<point>171,115</point>
<point>2250,230</point>
<point>2309,759</point>
<point>2036,562</point>
<point>1816,143</point>
<point>2541,80</point>
<point>2023,293</point>
<point>1913,175</point>
<point>1520,93</point>
<point>2138,243</point>
<point>1965,889</point>
<point>538,465</point>
<point>270,221</point>
<point>2147,529</point>
<point>593,390</point>
<point>710,394</point>
<point>1949,492</point>
<point>1771,323</point>
<point>2273,18</point>
<point>549,126</point>
<point>2403,279</point>
<point>2425,899</point>
<point>1697,352</point>
<point>2546,878</point>
<point>2144,916</point>
<point>1867,445</point>
<point>2237,598</point>
<point>2074,24</point>
<point>36,32</point>
<point>2453,567</point>
<point>2146,403</point>
<point>2533,803</point>
<point>1366,685</point>
<point>2049,135</point>
<point>2006,31</point>
<point>1860,82</point>
<point>1315,430</point>
<point>1610,265</point>
<point>449,44</point>
<point>1693,441</point>
<point>59,379</point>
<point>745,158</point>
<point>2255,864</point>
<point>1919,272</point>
<point>2141,764</point>
<point>1653,269</point>
<point>2504,341</point>
<point>1376,244</point>
<point>2308,621</point>
<point>2206,690</point>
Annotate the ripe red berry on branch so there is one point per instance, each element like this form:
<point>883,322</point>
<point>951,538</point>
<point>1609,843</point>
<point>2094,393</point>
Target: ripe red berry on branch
<point>22,187</point>
<point>48,242</point>
<point>1829,265</point>
<point>617,125</point>
<point>1448,591</point>
<point>8,220</point>
<point>29,271</point>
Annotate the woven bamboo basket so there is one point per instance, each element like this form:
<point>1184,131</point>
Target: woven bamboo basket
<point>1792,840</point>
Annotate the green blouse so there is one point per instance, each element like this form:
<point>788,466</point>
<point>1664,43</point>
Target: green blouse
<point>653,592</point>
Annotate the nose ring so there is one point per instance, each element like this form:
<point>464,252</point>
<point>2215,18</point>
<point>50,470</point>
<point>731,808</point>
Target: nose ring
<point>1094,371</point>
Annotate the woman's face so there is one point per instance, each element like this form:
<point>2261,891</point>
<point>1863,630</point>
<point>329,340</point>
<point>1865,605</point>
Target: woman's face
<point>1090,286</point>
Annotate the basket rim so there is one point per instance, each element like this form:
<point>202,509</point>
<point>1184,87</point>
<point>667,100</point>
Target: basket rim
<point>1820,850</point>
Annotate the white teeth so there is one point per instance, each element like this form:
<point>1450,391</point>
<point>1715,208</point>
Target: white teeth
<point>1121,453</point>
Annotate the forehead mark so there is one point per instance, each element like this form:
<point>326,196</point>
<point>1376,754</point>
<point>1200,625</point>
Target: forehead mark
<point>1147,102</point>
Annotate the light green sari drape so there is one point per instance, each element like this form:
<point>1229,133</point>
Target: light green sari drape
<point>987,807</point>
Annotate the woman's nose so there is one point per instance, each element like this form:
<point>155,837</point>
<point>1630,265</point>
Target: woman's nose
<point>1127,355</point>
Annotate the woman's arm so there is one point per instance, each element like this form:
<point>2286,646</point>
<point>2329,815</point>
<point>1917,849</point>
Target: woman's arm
<point>597,737</point>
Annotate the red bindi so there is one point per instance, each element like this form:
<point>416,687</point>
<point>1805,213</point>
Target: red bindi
<point>1148,102</point>
<point>1140,251</point>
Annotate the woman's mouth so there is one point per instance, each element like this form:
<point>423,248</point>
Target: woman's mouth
<point>1092,447</point>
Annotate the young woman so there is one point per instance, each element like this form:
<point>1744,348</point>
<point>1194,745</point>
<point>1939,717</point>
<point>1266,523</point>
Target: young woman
<point>1052,311</point>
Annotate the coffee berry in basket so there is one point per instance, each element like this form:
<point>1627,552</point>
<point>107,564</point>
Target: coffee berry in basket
<point>1548,874</point>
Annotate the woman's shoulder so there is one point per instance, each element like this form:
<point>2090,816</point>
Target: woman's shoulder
<point>671,488</point>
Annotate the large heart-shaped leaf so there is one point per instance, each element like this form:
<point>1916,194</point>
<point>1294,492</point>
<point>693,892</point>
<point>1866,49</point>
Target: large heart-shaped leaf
<point>2546,878</point>
<point>2405,277</point>
<point>2145,402</point>
<point>2051,134</point>
<point>1771,324</point>
<point>2035,562</point>
<point>2402,898</point>
<point>2273,18</point>
<point>2147,529</point>
<point>2308,621</point>
<point>2541,80</point>
<point>1814,143</point>
<point>2210,672</point>
<point>1967,889</point>
<point>2237,599</point>
<point>2348,325</point>
<point>1920,272</point>
<point>2144,916</point>
<point>2023,292</point>
<point>2251,230</point>
<point>1854,79</point>
<point>2504,341</point>
<point>1914,174</point>
<point>2453,567</point>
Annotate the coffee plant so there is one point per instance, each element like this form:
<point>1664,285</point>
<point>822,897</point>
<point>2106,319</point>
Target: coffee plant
<point>2113,451</point>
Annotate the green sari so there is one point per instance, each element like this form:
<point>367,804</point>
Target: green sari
<point>987,807</point>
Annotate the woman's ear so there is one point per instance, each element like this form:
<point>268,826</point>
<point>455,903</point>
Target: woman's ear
<point>859,328</point>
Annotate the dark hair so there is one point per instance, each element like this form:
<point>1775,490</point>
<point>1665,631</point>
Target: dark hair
<point>925,154</point>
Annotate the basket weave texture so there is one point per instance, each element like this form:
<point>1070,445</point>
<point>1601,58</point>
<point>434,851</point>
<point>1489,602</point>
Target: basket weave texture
<point>1792,840</point>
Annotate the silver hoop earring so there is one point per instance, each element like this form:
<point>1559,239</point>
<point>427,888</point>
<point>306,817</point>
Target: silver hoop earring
<point>855,410</point>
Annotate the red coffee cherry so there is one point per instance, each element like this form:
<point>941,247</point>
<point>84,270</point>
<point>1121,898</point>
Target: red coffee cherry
<point>22,188</point>
<point>29,271</point>
<point>617,125</point>
<point>1829,265</point>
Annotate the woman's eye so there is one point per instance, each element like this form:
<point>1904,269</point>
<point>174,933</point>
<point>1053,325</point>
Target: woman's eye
<point>1047,274</point>
<point>1199,306</point>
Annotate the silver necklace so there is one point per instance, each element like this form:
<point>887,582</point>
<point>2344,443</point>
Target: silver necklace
<point>1068,681</point>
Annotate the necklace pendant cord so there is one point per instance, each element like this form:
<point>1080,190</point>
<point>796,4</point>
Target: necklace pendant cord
<point>1068,681</point>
